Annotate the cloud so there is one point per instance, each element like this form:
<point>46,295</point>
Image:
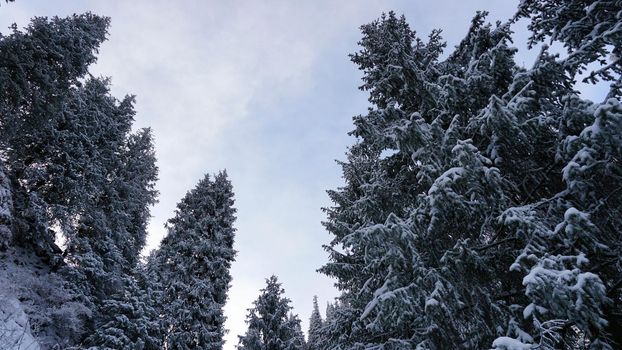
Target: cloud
<point>220,85</point>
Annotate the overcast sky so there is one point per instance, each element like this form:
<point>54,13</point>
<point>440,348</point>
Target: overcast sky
<point>263,89</point>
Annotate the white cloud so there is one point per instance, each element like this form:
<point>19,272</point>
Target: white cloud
<point>198,73</point>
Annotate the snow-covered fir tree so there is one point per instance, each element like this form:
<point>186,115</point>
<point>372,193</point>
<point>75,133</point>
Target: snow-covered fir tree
<point>315,324</point>
<point>192,265</point>
<point>41,70</point>
<point>136,191</point>
<point>589,30</point>
<point>129,318</point>
<point>75,170</point>
<point>298,334</point>
<point>330,309</point>
<point>481,205</point>
<point>271,325</point>
<point>104,243</point>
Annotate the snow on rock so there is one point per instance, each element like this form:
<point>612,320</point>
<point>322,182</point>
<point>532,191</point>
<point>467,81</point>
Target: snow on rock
<point>55,316</point>
<point>14,326</point>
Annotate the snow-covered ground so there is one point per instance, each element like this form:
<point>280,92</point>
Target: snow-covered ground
<point>15,331</point>
<point>37,310</point>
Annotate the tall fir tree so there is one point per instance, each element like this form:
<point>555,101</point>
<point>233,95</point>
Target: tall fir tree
<point>471,214</point>
<point>104,243</point>
<point>40,70</point>
<point>74,167</point>
<point>136,192</point>
<point>271,326</point>
<point>192,266</point>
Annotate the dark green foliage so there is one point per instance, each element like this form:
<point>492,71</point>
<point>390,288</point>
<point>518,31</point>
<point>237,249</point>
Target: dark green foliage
<point>590,31</point>
<point>129,318</point>
<point>192,266</point>
<point>480,200</point>
<point>76,170</point>
<point>315,326</point>
<point>40,71</point>
<point>271,326</point>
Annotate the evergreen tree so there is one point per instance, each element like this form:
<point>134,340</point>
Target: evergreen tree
<point>324,333</point>
<point>271,326</point>
<point>330,309</point>
<point>136,192</point>
<point>129,318</point>
<point>192,266</point>
<point>73,165</point>
<point>589,30</point>
<point>467,168</point>
<point>315,324</point>
<point>384,257</point>
<point>40,70</point>
<point>298,335</point>
<point>115,192</point>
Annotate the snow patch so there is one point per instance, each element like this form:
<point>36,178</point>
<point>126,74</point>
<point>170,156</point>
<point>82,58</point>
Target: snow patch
<point>447,177</point>
<point>507,343</point>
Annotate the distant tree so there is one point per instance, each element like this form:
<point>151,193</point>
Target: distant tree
<point>315,324</point>
<point>299,336</point>
<point>328,335</point>
<point>330,309</point>
<point>192,266</point>
<point>270,323</point>
<point>333,331</point>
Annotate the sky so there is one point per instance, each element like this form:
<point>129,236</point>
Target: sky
<point>265,90</point>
